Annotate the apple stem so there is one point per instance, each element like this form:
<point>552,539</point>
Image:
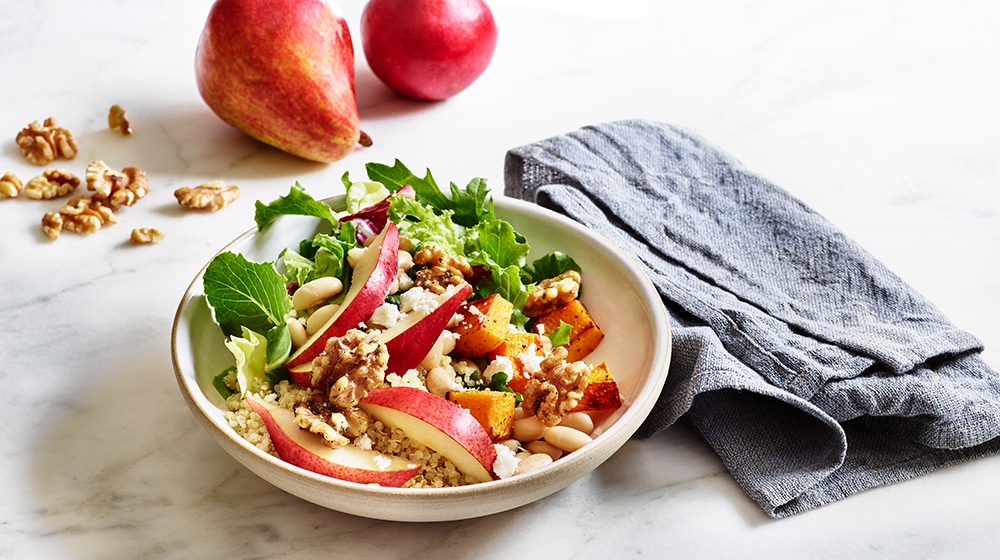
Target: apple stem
<point>365,140</point>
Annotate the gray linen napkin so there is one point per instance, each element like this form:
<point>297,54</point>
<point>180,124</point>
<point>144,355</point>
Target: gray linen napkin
<point>811,369</point>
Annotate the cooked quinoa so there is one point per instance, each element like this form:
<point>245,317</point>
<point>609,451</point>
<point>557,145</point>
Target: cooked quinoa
<point>435,470</point>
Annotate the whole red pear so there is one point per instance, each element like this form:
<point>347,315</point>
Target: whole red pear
<point>428,49</point>
<point>282,71</point>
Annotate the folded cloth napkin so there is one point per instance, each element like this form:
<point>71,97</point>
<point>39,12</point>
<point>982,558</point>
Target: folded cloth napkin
<point>811,369</point>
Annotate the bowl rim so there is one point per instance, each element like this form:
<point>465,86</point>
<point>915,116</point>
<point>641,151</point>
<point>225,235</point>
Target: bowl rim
<point>616,434</point>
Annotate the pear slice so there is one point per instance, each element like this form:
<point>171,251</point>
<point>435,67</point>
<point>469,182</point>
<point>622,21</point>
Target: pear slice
<point>304,449</point>
<point>437,423</point>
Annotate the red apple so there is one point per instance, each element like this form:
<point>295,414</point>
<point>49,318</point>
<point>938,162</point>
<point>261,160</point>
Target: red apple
<point>371,281</point>
<point>409,340</point>
<point>304,449</point>
<point>428,49</point>
<point>282,71</point>
<point>437,423</point>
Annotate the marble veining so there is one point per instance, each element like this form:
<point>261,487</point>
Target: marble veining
<point>883,117</point>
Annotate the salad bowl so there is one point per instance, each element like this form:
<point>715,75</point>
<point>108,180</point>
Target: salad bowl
<point>619,296</point>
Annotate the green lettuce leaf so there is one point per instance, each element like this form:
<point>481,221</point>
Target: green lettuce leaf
<point>296,202</point>
<point>245,294</point>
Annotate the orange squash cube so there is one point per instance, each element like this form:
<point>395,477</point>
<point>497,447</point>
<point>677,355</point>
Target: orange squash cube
<point>584,335</point>
<point>493,409</point>
<point>601,392</point>
<point>514,345</point>
<point>484,325</point>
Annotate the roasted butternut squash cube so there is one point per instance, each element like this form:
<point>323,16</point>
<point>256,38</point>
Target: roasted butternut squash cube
<point>602,391</point>
<point>493,409</point>
<point>513,347</point>
<point>483,327</point>
<point>584,335</point>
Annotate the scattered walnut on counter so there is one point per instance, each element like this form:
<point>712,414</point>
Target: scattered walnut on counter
<point>146,236</point>
<point>211,196</point>
<point>41,143</point>
<point>10,185</point>
<point>81,214</point>
<point>52,183</point>
<point>439,269</point>
<point>552,293</point>
<point>557,388</point>
<point>116,188</point>
<point>117,120</point>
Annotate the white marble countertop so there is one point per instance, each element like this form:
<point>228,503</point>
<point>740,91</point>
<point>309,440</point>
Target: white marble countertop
<point>882,116</point>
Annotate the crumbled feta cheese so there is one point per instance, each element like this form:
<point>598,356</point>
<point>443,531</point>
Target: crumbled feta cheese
<point>409,299</point>
<point>364,442</point>
<point>531,362</point>
<point>499,364</point>
<point>506,462</point>
<point>386,315</point>
<point>382,462</point>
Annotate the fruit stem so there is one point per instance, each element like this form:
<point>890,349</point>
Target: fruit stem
<point>365,140</point>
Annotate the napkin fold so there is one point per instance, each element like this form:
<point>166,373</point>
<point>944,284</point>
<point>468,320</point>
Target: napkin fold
<point>809,367</point>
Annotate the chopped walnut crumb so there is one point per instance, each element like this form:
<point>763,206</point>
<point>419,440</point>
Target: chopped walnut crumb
<point>41,143</point>
<point>557,388</point>
<point>210,196</point>
<point>552,293</point>
<point>146,236</point>
<point>439,269</point>
<point>117,120</point>
<point>52,183</point>
<point>330,426</point>
<point>10,185</point>
<point>351,365</point>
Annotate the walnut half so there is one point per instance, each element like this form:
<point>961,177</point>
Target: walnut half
<point>211,196</point>
<point>10,185</point>
<point>42,142</point>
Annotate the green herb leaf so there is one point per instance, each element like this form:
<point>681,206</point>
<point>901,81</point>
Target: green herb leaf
<point>560,335</point>
<point>245,293</point>
<point>219,382</point>
<point>550,266</point>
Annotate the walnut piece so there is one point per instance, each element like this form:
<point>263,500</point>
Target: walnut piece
<point>351,365</point>
<point>81,214</point>
<point>211,196</point>
<point>10,185</point>
<point>439,269</point>
<point>52,183</point>
<point>556,388</point>
<point>118,120</point>
<point>146,236</point>
<point>116,188</point>
<point>42,142</point>
<point>552,293</point>
<point>331,427</point>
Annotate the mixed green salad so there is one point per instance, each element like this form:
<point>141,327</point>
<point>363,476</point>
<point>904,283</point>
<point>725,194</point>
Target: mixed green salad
<point>252,300</point>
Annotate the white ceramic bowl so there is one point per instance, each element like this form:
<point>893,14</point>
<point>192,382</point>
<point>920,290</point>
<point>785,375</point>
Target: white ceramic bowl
<point>617,293</point>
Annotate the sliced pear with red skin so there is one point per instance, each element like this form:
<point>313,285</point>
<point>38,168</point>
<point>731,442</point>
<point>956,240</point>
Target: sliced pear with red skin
<point>437,423</point>
<point>410,339</point>
<point>371,282</point>
<point>304,449</point>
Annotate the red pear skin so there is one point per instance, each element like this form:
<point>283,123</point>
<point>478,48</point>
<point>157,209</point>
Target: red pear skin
<point>282,71</point>
<point>409,342</point>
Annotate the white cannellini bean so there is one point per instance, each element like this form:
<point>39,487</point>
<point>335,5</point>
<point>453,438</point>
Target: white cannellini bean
<point>579,420</point>
<point>297,331</point>
<point>528,428</point>
<point>521,413</point>
<point>512,444</point>
<point>404,260</point>
<point>320,317</point>
<point>544,447</point>
<point>315,292</point>
<point>354,255</point>
<point>531,461</point>
<point>443,346</point>
<point>566,438</point>
<point>440,381</point>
